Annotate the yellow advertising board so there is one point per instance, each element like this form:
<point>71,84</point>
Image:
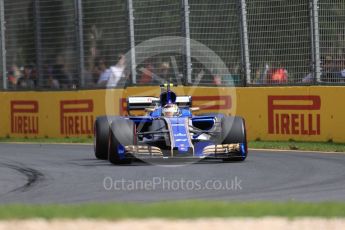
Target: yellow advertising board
<point>313,113</point>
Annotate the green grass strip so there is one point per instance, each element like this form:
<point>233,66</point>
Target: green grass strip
<point>178,210</point>
<point>299,145</point>
<point>47,140</point>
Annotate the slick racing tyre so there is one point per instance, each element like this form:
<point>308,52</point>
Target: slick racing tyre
<point>122,132</point>
<point>234,132</point>
<point>101,136</point>
<point>101,133</point>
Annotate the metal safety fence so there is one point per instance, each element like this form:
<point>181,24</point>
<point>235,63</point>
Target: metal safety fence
<point>216,24</point>
<point>157,24</point>
<point>331,18</point>
<point>76,44</point>
<point>103,29</point>
<point>279,39</point>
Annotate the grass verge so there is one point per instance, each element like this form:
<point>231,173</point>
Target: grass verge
<point>299,145</point>
<point>284,145</point>
<point>179,210</point>
<point>47,140</point>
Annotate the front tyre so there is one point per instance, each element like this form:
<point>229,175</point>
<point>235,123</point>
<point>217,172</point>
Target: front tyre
<point>121,134</point>
<point>234,132</point>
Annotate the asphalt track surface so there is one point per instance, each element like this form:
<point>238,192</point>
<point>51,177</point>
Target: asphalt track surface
<point>55,173</point>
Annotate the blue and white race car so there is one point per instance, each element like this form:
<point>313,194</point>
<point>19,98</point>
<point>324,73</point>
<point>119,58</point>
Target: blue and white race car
<point>168,130</point>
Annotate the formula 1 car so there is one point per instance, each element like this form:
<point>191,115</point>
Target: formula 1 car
<point>168,130</point>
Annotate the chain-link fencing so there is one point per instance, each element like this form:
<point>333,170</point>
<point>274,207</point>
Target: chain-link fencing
<point>279,41</point>
<point>159,20</point>
<point>332,40</point>
<point>105,37</point>
<point>216,24</point>
<point>75,44</point>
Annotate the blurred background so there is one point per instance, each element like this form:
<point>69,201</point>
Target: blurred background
<point>80,44</point>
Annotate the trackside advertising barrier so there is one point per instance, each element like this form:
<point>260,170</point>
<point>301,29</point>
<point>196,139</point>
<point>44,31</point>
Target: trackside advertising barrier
<point>314,113</point>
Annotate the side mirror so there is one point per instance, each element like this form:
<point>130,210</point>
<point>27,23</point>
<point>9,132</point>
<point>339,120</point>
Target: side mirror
<point>193,109</point>
<point>149,109</point>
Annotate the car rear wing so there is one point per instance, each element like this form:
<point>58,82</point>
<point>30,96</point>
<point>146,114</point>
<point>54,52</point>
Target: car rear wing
<point>141,103</point>
<point>184,101</point>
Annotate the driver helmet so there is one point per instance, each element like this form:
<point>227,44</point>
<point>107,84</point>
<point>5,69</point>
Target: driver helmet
<point>170,110</point>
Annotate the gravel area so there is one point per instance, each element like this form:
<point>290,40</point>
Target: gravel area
<point>200,224</point>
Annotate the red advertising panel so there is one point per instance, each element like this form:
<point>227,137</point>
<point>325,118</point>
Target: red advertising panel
<point>76,117</point>
<point>294,115</point>
<point>24,117</point>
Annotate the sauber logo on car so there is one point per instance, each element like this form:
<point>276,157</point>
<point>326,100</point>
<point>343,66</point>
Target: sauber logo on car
<point>24,117</point>
<point>180,135</point>
<point>178,140</point>
<point>76,117</point>
<point>297,115</point>
<point>177,125</point>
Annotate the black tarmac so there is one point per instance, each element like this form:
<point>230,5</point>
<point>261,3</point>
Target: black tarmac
<point>57,173</point>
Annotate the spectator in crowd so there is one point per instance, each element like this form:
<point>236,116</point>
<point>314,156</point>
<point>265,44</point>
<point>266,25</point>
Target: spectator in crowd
<point>34,76</point>
<point>62,71</point>
<point>309,78</point>
<point>147,75</point>
<point>13,75</point>
<point>342,74</point>
<point>257,79</point>
<point>234,76</point>
<point>216,78</point>
<point>227,77</point>
<point>58,73</point>
<point>278,75</point>
<point>26,81</point>
<point>199,76</point>
<point>330,73</point>
<point>342,69</point>
<point>261,74</point>
<point>49,80</point>
<point>206,76</point>
<point>118,72</point>
<point>12,80</point>
<point>163,72</point>
<point>103,71</point>
<point>333,70</point>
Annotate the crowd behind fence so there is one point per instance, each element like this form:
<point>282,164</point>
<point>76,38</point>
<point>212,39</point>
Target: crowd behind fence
<point>77,44</point>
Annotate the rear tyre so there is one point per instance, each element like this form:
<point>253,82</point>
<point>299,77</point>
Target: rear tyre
<point>234,132</point>
<point>122,132</point>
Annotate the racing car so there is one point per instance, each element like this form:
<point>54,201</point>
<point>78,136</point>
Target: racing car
<point>169,129</point>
